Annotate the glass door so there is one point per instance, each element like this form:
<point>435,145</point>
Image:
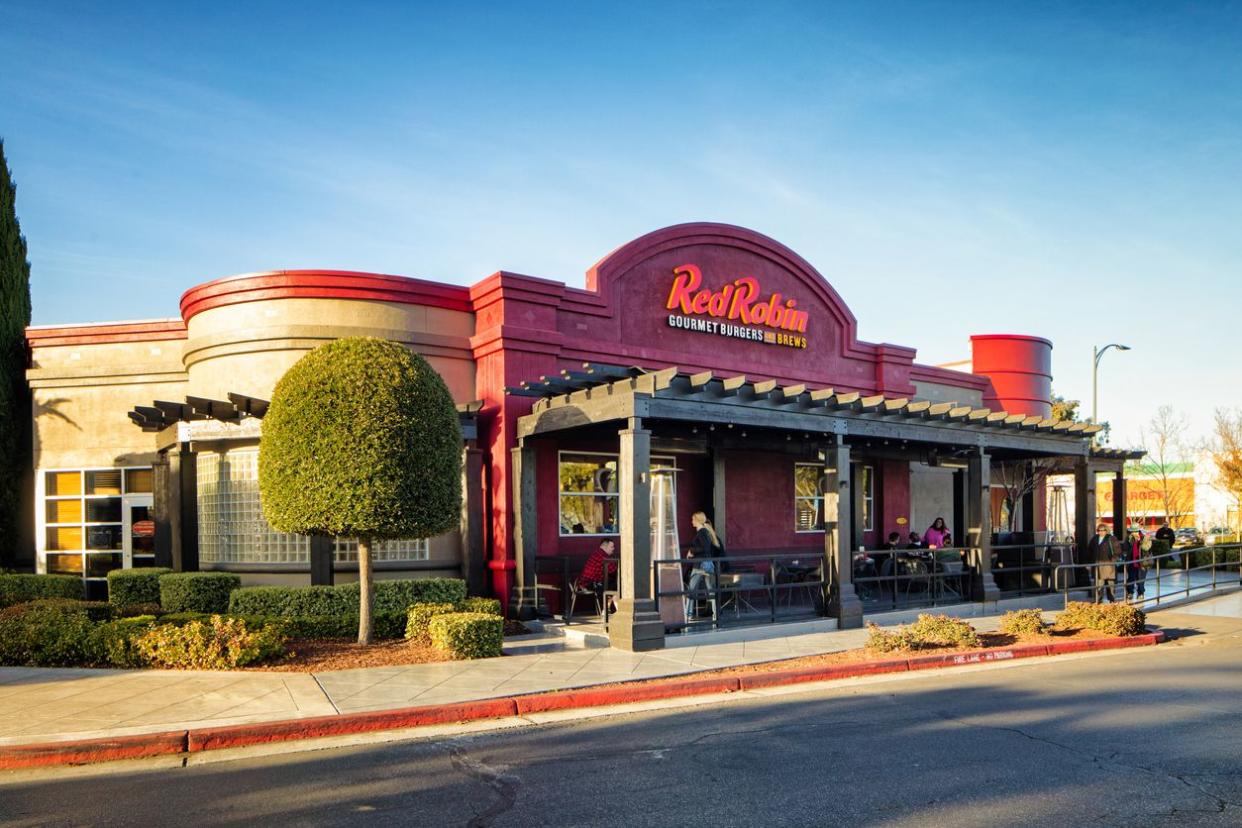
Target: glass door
<point>138,531</point>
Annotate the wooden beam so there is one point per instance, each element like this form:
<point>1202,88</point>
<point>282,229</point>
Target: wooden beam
<point>733,385</point>
<point>897,405</point>
<point>873,402</point>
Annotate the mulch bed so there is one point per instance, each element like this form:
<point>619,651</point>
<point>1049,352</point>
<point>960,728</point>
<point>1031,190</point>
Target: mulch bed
<point>316,655</point>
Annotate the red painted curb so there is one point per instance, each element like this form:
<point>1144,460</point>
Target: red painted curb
<point>215,738</point>
<point>622,694</point>
<point>91,751</point>
<point>777,678</point>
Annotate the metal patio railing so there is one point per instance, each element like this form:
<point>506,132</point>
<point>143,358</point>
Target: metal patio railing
<point>745,589</point>
<point>1170,576</point>
<point>896,579</point>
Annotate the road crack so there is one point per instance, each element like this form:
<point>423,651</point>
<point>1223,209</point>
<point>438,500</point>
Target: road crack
<point>504,785</point>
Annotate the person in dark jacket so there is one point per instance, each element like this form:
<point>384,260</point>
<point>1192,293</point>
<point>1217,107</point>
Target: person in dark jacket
<point>1165,533</point>
<point>1104,549</point>
<point>704,546</point>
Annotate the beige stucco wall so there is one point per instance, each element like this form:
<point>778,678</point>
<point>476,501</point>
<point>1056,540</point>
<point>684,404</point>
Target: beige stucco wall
<point>939,393</point>
<point>81,394</point>
<point>246,348</point>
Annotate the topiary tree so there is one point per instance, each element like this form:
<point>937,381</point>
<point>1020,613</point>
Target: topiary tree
<point>361,440</point>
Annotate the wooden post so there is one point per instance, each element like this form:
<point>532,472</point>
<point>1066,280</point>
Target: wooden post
<point>979,525</point>
<point>637,625</point>
<point>472,519</point>
<point>183,507</point>
<point>525,528</point>
<point>1084,506</point>
<point>959,507</point>
<point>839,535</point>
<point>163,503</point>
<point>718,495</point>
<point>1120,519</point>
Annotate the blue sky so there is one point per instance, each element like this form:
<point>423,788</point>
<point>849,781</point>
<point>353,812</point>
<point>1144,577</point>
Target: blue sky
<point>1067,170</point>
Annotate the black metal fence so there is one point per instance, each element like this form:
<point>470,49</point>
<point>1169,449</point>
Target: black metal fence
<point>1029,569</point>
<point>1154,579</point>
<point>741,589</point>
<point>897,579</point>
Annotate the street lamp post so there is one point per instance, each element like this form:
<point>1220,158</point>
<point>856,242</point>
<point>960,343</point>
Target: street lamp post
<point>1096,353</point>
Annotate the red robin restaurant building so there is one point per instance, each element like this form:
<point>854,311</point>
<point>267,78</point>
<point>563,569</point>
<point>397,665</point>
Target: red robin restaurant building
<point>705,361</point>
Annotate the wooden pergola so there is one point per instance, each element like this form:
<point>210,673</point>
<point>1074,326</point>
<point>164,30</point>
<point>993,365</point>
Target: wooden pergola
<point>760,413</point>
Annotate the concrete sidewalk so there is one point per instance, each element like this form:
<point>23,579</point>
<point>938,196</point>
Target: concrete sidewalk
<point>44,705</point>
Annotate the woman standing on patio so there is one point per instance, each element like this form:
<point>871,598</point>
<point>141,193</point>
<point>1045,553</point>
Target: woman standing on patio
<point>703,547</point>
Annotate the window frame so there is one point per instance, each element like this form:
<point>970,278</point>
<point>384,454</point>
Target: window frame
<point>867,503</point>
<point>662,459</point>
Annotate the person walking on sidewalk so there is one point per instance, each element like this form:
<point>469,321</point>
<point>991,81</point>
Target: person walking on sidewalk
<point>1104,550</point>
<point>1137,552</point>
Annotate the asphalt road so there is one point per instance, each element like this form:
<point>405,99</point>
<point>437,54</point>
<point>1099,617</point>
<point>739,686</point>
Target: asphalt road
<point>1143,737</point>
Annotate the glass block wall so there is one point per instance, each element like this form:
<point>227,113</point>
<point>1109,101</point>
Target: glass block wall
<point>231,527</point>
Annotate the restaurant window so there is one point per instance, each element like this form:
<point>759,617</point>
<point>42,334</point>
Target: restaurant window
<point>809,497</point>
<point>589,492</point>
<point>866,485</point>
<point>82,519</point>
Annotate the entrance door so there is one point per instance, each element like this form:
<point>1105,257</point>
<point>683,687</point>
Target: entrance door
<point>137,531</point>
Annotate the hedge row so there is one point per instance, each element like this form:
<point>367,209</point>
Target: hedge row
<point>132,587</point>
<point>390,597</point>
<point>21,588</point>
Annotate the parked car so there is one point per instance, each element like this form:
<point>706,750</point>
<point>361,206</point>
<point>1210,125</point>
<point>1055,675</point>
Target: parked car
<point>1188,536</point>
<point>1220,534</point>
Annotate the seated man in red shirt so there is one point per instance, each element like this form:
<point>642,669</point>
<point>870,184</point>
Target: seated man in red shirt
<point>598,566</point>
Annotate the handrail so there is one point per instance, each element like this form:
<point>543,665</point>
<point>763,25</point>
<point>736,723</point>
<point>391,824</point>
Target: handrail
<point>1132,579</point>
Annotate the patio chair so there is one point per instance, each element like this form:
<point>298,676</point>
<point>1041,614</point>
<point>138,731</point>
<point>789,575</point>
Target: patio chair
<point>600,597</point>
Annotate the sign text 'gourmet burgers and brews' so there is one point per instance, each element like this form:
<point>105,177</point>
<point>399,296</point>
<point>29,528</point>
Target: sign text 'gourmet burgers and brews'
<point>737,309</point>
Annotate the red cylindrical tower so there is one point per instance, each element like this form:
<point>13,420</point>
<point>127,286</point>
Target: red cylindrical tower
<point>1020,368</point>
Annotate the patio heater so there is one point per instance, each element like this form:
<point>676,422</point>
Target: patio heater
<point>665,547</point>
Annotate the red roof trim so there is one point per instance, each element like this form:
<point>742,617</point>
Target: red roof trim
<point>108,332</point>
<point>322,284</point>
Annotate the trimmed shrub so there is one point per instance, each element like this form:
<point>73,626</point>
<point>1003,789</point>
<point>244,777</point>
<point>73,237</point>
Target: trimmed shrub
<point>44,634</point>
<point>197,591</point>
<point>418,620</point>
<point>216,644</point>
<point>927,632</point>
<point>343,599</point>
<point>95,610</point>
<point>888,641</point>
<point>487,606</point>
<point>112,644</point>
<point>127,587</point>
<point>1113,619</point>
<point>179,618</point>
<point>21,588</point>
<point>1023,622</point>
<point>387,625</point>
<point>468,634</point>
<point>943,631</point>
<point>135,610</point>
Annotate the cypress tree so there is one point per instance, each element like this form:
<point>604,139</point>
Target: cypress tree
<point>14,393</point>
